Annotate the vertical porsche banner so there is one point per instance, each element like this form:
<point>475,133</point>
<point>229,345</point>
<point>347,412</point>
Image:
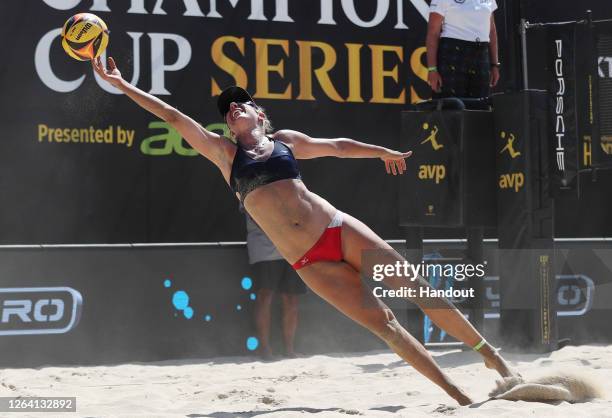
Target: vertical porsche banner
<point>564,114</point>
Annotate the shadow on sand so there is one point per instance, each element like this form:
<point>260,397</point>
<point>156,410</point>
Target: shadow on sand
<point>251,414</point>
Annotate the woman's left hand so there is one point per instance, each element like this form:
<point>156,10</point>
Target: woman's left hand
<point>494,76</point>
<point>395,161</point>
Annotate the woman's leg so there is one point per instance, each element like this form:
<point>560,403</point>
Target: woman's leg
<point>339,284</point>
<point>357,238</point>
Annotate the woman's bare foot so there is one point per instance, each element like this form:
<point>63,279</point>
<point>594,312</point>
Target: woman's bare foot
<point>494,361</point>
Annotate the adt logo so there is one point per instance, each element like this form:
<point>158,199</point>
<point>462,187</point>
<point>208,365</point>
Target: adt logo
<point>39,310</point>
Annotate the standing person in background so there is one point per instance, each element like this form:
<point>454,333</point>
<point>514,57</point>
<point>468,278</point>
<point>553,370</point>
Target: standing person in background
<point>272,273</point>
<point>462,55</point>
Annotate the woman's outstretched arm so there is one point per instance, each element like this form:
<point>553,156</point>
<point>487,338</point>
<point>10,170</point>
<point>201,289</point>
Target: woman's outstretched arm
<point>207,143</point>
<point>305,147</point>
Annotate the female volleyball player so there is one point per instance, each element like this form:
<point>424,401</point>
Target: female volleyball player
<point>323,244</point>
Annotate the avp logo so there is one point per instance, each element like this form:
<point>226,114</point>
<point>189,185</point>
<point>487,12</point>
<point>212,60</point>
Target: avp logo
<point>39,310</point>
<point>514,181</point>
<point>432,172</point>
<point>510,145</point>
<point>432,138</point>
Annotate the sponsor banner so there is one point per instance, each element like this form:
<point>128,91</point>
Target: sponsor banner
<point>39,310</point>
<point>109,305</point>
<point>525,213</point>
<point>593,197</point>
<point>513,178</point>
<point>431,190</point>
<point>562,86</point>
<point>580,291</point>
<point>449,180</point>
<point>82,163</point>
<point>603,153</point>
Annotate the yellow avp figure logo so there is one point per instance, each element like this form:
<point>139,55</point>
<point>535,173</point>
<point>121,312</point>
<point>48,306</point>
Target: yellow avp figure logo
<point>510,145</point>
<point>436,172</point>
<point>433,137</point>
<point>514,181</point>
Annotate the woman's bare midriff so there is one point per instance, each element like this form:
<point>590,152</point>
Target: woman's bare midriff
<point>291,216</point>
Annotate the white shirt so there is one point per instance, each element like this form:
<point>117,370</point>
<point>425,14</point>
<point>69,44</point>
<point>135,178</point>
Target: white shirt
<point>468,20</point>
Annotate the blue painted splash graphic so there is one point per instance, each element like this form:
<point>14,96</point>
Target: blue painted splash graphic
<point>246,283</point>
<point>180,300</point>
<point>252,343</point>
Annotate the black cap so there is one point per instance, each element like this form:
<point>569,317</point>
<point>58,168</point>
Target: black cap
<point>232,94</point>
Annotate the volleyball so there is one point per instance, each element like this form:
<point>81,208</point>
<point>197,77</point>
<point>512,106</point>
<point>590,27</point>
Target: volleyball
<point>84,36</point>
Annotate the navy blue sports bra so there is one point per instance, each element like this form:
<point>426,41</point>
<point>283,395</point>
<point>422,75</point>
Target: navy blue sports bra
<point>248,174</point>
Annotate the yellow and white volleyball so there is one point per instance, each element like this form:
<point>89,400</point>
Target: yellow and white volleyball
<point>84,36</point>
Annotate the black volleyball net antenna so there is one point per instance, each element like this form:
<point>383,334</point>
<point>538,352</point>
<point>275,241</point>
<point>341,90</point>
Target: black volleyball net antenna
<point>573,61</point>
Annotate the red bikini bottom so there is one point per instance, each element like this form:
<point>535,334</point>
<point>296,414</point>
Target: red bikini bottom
<point>327,248</point>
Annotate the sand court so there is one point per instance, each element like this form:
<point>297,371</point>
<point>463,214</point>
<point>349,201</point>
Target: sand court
<point>373,384</point>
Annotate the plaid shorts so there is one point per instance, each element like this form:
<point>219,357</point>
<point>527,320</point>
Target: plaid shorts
<point>465,68</point>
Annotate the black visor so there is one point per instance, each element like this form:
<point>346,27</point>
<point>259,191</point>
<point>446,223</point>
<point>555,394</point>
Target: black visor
<point>232,94</point>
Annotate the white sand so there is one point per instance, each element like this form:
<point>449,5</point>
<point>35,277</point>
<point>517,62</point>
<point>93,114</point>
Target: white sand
<point>375,384</point>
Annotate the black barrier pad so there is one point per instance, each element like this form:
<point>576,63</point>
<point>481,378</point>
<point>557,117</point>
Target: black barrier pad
<point>96,306</point>
<point>525,220</point>
<point>128,314</point>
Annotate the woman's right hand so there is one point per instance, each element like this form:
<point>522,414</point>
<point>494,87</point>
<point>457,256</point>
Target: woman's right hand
<point>110,74</point>
<point>435,81</point>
